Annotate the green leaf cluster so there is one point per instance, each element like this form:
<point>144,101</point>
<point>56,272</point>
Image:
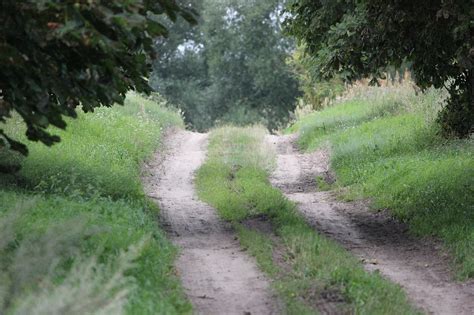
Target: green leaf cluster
<point>232,67</point>
<point>57,55</point>
<point>317,92</point>
<point>361,38</point>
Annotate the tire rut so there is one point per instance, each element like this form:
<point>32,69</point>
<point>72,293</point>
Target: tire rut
<point>218,277</point>
<point>381,243</point>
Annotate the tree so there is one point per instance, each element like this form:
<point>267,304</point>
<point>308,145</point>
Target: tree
<point>56,55</point>
<point>356,39</point>
<point>316,92</point>
<point>180,74</point>
<point>233,66</point>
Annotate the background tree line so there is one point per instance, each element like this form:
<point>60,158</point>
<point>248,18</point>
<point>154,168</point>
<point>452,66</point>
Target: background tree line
<point>231,67</point>
<point>57,56</point>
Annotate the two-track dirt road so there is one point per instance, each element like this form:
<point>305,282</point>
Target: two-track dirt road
<point>219,278</point>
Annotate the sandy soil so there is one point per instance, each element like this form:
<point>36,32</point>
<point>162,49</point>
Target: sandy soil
<point>219,278</point>
<point>382,244</point>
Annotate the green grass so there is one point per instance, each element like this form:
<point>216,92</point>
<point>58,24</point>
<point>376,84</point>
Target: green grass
<point>80,203</point>
<point>314,128</point>
<point>401,163</point>
<point>234,179</point>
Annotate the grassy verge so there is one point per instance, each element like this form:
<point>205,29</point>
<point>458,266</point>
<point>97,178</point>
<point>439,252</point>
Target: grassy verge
<point>77,234</point>
<point>312,272</point>
<point>397,158</point>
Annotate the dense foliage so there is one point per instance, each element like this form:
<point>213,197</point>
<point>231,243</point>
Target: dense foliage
<point>356,39</point>
<point>316,92</point>
<point>231,67</point>
<point>57,55</point>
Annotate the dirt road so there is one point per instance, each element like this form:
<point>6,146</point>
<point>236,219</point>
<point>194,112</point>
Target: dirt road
<point>380,242</point>
<point>219,278</point>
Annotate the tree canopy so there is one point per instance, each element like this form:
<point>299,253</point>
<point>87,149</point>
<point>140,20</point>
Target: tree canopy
<point>231,67</point>
<point>356,39</point>
<point>57,55</point>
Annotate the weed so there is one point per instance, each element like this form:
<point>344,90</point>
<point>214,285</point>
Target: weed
<point>322,184</point>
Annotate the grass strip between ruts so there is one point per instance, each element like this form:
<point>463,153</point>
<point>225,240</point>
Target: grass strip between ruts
<point>319,273</point>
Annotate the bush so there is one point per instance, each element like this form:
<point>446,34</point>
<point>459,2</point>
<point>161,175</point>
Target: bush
<point>457,117</point>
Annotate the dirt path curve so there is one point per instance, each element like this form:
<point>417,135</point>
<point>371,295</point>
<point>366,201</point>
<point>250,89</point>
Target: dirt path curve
<point>380,242</point>
<point>218,277</point>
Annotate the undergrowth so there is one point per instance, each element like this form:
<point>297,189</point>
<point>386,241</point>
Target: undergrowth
<point>77,233</point>
<point>234,179</point>
<point>386,146</point>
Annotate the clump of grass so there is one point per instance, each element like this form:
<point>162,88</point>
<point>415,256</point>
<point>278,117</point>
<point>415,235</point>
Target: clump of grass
<point>76,207</point>
<point>323,184</point>
<point>348,113</point>
<point>400,161</point>
<point>89,288</point>
<point>234,179</point>
<point>228,151</point>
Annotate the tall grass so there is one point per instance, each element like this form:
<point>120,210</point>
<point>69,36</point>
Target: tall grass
<point>234,179</point>
<point>78,234</point>
<point>386,145</point>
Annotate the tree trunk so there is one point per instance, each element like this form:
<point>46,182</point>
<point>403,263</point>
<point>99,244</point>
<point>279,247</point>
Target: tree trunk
<point>470,80</point>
